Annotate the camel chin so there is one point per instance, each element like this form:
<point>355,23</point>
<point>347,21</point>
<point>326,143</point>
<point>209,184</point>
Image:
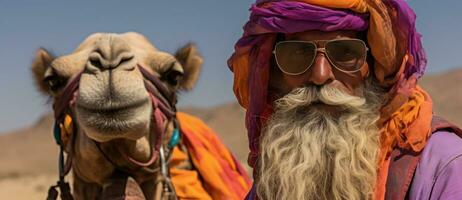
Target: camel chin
<point>102,125</point>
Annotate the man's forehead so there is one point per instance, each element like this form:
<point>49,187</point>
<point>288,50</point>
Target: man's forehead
<point>321,35</point>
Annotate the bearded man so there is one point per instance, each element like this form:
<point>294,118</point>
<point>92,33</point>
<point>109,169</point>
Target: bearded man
<point>333,106</point>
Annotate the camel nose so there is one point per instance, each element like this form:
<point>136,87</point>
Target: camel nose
<point>110,53</point>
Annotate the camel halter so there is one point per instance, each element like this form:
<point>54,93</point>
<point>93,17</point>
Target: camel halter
<point>163,105</point>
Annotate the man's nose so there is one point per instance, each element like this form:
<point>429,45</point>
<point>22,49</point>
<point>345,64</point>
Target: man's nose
<point>320,73</point>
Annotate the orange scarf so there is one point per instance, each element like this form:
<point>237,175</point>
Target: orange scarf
<point>217,176</point>
<point>407,128</point>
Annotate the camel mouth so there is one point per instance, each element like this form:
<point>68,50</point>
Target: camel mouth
<point>115,120</point>
<point>113,109</point>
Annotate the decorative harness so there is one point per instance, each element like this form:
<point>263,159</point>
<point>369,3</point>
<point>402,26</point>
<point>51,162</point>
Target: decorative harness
<point>163,104</point>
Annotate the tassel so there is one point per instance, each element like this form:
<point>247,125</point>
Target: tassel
<point>65,190</point>
<point>52,193</point>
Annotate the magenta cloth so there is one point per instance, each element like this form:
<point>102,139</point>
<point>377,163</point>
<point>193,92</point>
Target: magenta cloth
<point>292,17</point>
<point>405,25</point>
<point>282,17</point>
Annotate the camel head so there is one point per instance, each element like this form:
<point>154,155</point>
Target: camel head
<point>114,108</point>
<point>112,100</point>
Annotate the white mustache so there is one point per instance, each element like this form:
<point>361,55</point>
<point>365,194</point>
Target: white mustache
<point>329,95</point>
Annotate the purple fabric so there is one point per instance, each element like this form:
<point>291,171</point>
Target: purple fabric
<point>292,17</point>
<point>406,28</point>
<point>439,172</point>
<point>281,17</point>
<point>252,195</point>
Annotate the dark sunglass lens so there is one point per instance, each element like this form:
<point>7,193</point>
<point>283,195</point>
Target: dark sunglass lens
<point>294,57</point>
<point>348,55</point>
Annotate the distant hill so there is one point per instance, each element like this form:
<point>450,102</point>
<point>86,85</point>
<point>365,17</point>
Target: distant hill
<point>31,150</point>
<point>446,92</point>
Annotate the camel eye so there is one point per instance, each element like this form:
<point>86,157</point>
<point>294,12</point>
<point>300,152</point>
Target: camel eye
<point>173,76</point>
<point>54,82</point>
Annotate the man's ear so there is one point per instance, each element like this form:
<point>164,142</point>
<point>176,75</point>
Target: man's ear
<point>189,58</point>
<point>40,65</point>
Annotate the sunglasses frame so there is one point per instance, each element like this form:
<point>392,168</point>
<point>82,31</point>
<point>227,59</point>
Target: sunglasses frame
<point>318,49</point>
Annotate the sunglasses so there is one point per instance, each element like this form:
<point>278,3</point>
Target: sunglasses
<point>296,57</point>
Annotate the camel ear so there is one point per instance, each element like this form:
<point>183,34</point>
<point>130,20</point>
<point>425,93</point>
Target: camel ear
<point>191,60</point>
<point>40,65</point>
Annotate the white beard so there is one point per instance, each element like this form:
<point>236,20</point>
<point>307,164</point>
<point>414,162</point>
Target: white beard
<point>307,153</point>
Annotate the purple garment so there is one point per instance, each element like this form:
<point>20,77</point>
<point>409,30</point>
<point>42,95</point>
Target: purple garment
<point>439,172</point>
<point>252,193</point>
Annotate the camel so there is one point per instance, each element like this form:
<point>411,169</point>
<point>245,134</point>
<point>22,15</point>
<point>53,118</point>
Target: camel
<point>114,100</point>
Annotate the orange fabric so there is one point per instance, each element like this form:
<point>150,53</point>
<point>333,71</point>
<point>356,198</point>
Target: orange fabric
<point>221,176</point>
<point>241,79</point>
<point>408,128</point>
<point>66,129</point>
<point>381,182</point>
<point>355,5</point>
<point>187,183</point>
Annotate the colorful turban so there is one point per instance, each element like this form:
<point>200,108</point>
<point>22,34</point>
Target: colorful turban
<point>399,60</point>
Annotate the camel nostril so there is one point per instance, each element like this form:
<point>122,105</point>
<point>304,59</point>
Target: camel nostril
<point>96,63</point>
<point>126,58</point>
<point>97,59</point>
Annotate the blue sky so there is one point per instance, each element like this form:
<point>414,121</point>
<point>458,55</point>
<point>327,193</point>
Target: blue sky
<point>213,24</point>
